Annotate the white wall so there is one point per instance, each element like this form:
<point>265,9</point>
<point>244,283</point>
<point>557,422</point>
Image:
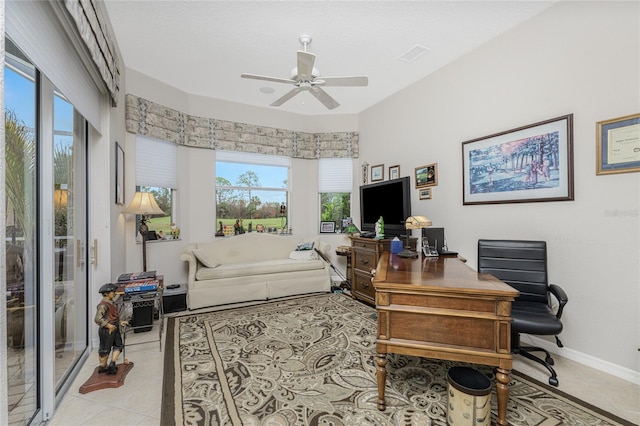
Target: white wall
<point>196,169</point>
<point>577,57</point>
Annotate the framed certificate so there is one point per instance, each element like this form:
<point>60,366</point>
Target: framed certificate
<point>618,145</point>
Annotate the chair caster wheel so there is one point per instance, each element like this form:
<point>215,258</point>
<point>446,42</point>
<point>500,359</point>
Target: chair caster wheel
<point>553,381</point>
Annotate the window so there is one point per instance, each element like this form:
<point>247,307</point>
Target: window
<point>251,190</point>
<point>156,172</point>
<point>335,181</point>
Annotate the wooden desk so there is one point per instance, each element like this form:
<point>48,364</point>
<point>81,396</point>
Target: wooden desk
<point>441,308</point>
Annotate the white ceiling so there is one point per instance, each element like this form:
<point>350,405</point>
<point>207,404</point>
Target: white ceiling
<point>202,47</point>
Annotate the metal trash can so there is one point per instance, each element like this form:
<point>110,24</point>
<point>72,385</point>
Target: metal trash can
<point>469,397</point>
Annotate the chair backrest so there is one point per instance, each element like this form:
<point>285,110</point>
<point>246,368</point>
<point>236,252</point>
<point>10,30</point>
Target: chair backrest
<point>521,264</point>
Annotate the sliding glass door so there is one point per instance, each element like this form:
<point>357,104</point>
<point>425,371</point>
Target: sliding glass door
<point>69,201</point>
<point>46,233</point>
<point>21,238</point>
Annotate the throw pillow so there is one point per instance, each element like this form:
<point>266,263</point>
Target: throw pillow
<point>206,258</point>
<point>303,255</point>
<point>305,246</point>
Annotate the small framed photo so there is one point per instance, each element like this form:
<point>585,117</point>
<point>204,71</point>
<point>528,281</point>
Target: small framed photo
<point>327,227</point>
<point>427,175</point>
<point>377,173</point>
<point>618,145</point>
<point>425,193</point>
<point>394,172</point>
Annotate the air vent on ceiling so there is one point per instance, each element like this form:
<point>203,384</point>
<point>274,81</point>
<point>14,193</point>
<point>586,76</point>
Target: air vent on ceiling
<point>414,53</point>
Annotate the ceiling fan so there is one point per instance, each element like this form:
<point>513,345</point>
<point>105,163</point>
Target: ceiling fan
<point>305,78</point>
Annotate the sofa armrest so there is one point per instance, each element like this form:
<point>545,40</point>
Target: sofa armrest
<point>189,257</point>
<point>324,247</point>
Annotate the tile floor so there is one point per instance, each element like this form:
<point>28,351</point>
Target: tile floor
<point>138,401</point>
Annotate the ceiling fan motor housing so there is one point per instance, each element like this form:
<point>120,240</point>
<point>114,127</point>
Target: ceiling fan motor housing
<point>293,75</point>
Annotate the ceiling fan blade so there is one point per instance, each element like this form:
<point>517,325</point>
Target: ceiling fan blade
<point>290,94</point>
<point>324,97</point>
<point>305,65</point>
<point>356,80</point>
<point>274,79</point>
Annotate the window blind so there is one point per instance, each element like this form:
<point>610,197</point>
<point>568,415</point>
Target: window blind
<point>335,175</point>
<point>156,163</point>
<point>251,158</point>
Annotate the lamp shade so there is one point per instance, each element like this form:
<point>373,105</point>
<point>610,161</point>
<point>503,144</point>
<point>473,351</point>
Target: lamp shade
<point>417,222</point>
<point>351,229</point>
<point>143,203</point>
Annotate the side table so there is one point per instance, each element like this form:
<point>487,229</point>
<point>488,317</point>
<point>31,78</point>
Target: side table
<point>174,299</point>
<point>346,251</point>
<point>142,299</point>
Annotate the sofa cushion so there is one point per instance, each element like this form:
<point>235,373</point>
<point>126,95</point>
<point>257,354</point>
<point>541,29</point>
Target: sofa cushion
<point>230,270</point>
<point>206,258</point>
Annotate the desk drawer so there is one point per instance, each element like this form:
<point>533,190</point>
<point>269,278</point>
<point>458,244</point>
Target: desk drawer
<point>369,244</point>
<point>364,260</point>
<point>362,287</point>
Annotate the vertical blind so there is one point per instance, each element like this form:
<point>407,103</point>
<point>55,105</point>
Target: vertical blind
<point>156,163</point>
<point>335,175</point>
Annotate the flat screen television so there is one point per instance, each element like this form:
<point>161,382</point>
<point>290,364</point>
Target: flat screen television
<point>390,199</point>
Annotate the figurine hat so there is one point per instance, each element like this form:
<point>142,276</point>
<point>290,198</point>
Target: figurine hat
<point>107,288</point>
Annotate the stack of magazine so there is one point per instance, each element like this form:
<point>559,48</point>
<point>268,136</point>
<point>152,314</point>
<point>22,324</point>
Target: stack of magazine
<point>135,282</point>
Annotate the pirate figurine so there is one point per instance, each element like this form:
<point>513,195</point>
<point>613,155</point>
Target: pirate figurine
<point>108,319</point>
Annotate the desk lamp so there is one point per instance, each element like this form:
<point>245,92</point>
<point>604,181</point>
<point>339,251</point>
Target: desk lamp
<point>413,222</point>
<point>143,204</point>
<point>351,229</point>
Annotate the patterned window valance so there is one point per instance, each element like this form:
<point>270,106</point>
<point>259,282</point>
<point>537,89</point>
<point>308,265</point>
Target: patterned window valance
<point>147,118</point>
<point>93,29</point>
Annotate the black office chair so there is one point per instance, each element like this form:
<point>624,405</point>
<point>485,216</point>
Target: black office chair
<point>523,265</point>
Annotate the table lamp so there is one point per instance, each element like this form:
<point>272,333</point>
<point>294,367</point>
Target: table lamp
<point>413,222</point>
<point>351,229</point>
<point>143,204</point>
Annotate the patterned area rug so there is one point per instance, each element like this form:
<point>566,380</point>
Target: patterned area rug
<point>311,361</point>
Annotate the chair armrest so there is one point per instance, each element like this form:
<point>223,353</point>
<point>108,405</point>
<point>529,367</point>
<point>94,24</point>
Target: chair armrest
<point>562,297</point>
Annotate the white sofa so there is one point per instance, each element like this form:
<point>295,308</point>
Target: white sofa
<point>253,266</point>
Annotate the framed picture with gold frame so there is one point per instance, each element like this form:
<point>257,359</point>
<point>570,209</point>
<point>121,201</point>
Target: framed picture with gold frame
<point>424,193</point>
<point>618,145</point>
<point>427,175</point>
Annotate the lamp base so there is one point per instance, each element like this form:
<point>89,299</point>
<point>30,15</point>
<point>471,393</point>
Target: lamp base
<point>408,253</point>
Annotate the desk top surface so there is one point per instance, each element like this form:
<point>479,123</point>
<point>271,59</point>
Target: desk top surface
<point>440,274</point>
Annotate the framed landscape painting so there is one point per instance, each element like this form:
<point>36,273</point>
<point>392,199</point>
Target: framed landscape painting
<point>528,164</point>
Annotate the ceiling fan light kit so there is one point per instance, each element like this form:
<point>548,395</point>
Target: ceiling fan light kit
<point>305,78</point>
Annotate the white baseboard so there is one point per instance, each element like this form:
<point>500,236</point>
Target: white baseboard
<point>588,360</point>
